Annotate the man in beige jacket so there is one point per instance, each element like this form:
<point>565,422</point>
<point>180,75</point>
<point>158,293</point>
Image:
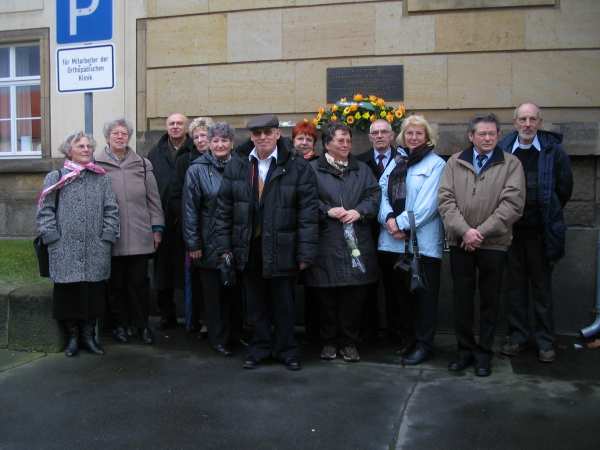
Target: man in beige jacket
<point>482,193</point>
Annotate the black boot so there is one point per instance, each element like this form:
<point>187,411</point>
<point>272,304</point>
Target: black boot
<point>73,338</point>
<point>88,340</point>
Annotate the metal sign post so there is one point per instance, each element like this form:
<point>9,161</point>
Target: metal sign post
<point>88,103</point>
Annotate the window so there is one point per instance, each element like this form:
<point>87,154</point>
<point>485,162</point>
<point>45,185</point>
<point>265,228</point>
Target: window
<point>20,101</point>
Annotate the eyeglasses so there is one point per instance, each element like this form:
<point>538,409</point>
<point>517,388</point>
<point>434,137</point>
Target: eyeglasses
<point>119,133</point>
<point>379,132</point>
<point>266,131</point>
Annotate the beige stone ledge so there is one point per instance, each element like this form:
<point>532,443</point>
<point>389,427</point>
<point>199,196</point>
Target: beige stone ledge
<point>413,6</point>
<point>183,90</point>
<point>329,31</point>
<point>254,35</point>
<point>480,31</point>
<point>237,5</point>
<point>177,41</point>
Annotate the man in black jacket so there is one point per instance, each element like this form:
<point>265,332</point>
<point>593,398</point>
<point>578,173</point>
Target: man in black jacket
<point>267,219</point>
<point>377,158</point>
<point>168,263</point>
<point>539,236</point>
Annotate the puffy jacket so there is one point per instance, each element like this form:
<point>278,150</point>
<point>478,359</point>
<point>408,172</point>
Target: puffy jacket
<point>422,185</point>
<point>355,188</point>
<point>489,202</point>
<point>555,186</point>
<point>202,183</point>
<point>289,213</point>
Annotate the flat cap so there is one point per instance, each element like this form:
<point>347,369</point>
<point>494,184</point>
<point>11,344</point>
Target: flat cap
<point>265,121</point>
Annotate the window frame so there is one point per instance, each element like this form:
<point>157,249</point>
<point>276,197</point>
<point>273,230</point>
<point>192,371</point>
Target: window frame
<point>13,40</point>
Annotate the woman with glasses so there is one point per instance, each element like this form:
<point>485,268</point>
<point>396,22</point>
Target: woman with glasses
<point>141,224</point>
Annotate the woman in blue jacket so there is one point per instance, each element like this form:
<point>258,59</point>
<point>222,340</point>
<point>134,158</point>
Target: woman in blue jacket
<point>410,183</point>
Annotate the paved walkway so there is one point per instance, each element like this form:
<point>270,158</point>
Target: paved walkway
<point>180,395</point>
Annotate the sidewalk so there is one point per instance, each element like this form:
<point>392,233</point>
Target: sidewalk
<point>180,395</point>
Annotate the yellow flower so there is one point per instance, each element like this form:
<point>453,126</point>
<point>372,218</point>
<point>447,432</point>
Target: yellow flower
<point>373,103</point>
<point>350,120</point>
<point>358,98</point>
<point>346,110</point>
<point>365,115</point>
<point>382,114</point>
<point>353,107</point>
<point>357,116</point>
<point>315,122</point>
<point>319,116</point>
<point>334,108</point>
<point>373,117</point>
<point>380,102</point>
<point>390,118</point>
<point>399,113</point>
<point>372,98</point>
<point>343,100</point>
<point>321,110</point>
<point>333,118</point>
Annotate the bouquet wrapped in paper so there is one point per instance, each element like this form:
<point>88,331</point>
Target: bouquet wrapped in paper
<point>352,243</point>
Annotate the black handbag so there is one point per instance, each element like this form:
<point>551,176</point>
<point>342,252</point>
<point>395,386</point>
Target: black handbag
<point>41,249</point>
<point>412,264</point>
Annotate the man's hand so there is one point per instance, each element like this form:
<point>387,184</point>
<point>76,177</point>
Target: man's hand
<point>157,235</point>
<point>196,254</point>
<point>336,213</point>
<point>350,216</point>
<point>392,226</point>
<point>472,240</point>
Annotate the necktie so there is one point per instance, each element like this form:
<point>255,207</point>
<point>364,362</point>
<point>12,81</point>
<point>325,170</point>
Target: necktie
<point>481,160</point>
<point>380,167</point>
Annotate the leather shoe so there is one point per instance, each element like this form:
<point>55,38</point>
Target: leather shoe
<point>483,370</point>
<point>120,335</point>
<point>222,350</point>
<point>461,364</point>
<point>418,355</point>
<point>292,364</point>
<point>146,336</point>
<point>250,364</point>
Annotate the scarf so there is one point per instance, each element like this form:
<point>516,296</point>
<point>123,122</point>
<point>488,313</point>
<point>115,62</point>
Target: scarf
<point>309,155</point>
<point>75,172</point>
<point>397,178</point>
<point>218,164</point>
<point>339,165</point>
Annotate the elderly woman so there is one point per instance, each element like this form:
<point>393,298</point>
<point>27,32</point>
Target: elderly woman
<point>304,136</point>
<point>141,223</point>
<point>347,263</point>
<point>410,183</point>
<point>78,218</point>
<point>201,187</point>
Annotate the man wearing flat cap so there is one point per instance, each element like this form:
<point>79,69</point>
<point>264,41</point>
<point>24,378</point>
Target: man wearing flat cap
<point>267,219</point>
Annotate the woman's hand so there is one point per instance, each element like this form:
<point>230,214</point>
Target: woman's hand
<point>392,226</point>
<point>336,213</point>
<point>194,255</point>
<point>157,239</point>
<point>350,216</point>
<point>399,235</point>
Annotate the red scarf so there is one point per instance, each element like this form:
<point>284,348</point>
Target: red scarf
<point>75,172</point>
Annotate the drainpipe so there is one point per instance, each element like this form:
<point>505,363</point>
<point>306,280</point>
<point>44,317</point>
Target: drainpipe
<point>594,328</point>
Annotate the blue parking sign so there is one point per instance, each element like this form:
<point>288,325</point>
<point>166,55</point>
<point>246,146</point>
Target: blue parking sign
<point>83,21</point>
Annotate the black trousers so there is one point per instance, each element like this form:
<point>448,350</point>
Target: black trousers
<point>419,309</point>
<point>399,309</point>
<point>483,268</point>
<point>341,313</point>
<point>222,308</point>
<point>168,270</point>
<point>311,313</point>
<point>128,291</point>
<point>270,305</point>
<point>528,266</point>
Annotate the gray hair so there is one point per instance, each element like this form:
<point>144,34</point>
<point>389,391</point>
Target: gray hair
<point>487,118</point>
<point>388,126</point>
<point>221,129</point>
<point>200,122</point>
<point>120,122</point>
<point>516,111</point>
<point>65,147</point>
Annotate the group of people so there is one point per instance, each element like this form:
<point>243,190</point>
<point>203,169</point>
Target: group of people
<point>251,223</point>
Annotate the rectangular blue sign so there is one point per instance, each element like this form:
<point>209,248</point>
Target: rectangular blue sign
<point>83,21</point>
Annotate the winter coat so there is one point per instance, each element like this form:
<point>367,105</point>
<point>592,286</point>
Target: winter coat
<point>422,185</point>
<point>163,161</point>
<point>134,185</point>
<point>489,202</point>
<point>81,233</point>
<point>555,186</point>
<point>289,213</point>
<point>200,190</point>
<point>357,189</point>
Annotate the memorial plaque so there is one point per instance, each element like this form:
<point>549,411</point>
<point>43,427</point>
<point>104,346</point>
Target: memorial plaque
<point>383,81</point>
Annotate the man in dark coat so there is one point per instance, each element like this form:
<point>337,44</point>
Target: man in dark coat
<point>377,158</point>
<point>168,263</point>
<point>539,236</point>
<point>267,219</point>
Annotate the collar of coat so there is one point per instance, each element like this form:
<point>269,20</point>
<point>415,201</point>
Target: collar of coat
<point>322,164</point>
<point>284,150</point>
<point>466,158</point>
<point>186,147</point>
<point>548,139</point>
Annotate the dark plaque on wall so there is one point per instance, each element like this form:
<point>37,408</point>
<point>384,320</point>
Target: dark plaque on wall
<point>383,81</point>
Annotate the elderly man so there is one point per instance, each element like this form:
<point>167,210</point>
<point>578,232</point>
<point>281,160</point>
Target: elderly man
<point>267,219</point>
<point>168,264</point>
<point>481,195</point>
<point>539,236</point>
